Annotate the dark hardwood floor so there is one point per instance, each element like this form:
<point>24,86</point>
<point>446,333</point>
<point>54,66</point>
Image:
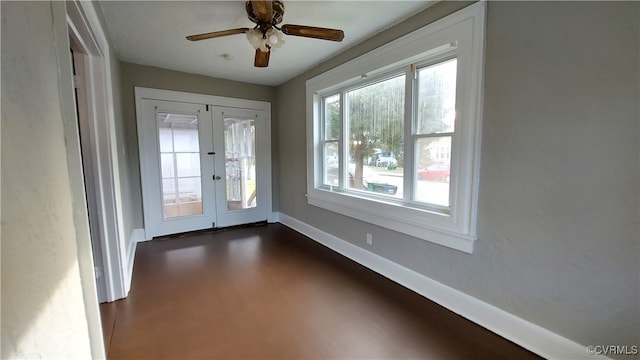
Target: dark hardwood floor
<point>269,292</point>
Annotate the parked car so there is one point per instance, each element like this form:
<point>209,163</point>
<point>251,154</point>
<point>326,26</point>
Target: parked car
<point>387,161</point>
<point>435,172</point>
<point>371,181</point>
<point>383,159</point>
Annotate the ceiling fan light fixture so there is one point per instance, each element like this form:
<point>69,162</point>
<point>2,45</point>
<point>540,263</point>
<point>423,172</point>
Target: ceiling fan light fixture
<point>270,40</point>
<point>274,38</point>
<point>257,40</point>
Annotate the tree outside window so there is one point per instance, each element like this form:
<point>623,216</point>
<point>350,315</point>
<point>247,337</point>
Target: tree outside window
<point>375,121</point>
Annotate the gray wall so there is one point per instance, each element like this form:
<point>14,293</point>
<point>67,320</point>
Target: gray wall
<point>49,304</point>
<point>133,75</point>
<point>558,215</point>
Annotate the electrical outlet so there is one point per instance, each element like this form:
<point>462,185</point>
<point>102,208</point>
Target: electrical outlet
<point>369,239</point>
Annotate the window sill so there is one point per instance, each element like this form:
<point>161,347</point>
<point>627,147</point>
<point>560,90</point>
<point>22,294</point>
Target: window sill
<point>422,224</point>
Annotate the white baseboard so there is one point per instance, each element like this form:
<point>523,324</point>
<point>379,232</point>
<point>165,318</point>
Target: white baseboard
<point>524,333</point>
<point>137,235</point>
<point>274,217</point>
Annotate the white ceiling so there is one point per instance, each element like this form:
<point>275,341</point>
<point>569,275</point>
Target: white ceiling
<point>153,33</point>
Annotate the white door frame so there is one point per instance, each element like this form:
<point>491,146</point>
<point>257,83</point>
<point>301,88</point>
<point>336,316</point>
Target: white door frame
<point>87,147</point>
<point>142,93</point>
<point>88,36</point>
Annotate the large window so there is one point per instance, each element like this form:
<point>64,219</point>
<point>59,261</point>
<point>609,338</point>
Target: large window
<point>396,132</point>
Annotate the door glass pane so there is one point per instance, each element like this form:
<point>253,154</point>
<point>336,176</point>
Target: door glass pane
<point>167,164</point>
<point>166,140</point>
<point>186,140</point>
<point>436,111</point>
<point>180,164</point>
<point>433,161</point>
<point>375,131</point>
<point>240,163</point>
<point>189,189</point>
<point>188,164</point>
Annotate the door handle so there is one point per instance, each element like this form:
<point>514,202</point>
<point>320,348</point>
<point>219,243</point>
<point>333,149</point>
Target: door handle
<point>215,177</point>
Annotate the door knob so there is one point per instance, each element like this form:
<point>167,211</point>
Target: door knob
<point>215,177</point>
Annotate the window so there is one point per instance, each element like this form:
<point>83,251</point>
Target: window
<point>395,132</point>
<point>435,115</point>
<point>331,138</point>
<point>373,122</point>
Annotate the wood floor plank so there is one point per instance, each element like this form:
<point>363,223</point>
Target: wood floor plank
<point>269,292</point>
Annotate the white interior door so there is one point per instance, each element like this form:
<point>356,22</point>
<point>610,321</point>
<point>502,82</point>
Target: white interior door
<point>202,166</point>
<point>177,171</point>
<point>242,162</point>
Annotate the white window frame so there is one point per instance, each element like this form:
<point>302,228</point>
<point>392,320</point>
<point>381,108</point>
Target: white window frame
<point>457,228</point>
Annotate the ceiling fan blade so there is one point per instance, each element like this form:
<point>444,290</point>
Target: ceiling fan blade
<point>215,34</point>
<point>263,10</point>
<point>313,32</point>
<point>262,58</point>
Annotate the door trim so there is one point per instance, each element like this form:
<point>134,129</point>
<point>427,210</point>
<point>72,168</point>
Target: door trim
<point>78,21</point>
<point>85,31</point>
<point>142,93</point>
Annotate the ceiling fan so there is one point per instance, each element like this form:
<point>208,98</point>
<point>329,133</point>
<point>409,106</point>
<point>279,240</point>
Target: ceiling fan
<point>267,35</point>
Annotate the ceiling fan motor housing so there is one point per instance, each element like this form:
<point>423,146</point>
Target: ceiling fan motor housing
<point>278,14</point>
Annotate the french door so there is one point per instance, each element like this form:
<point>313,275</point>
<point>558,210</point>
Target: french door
<point>201,166</point>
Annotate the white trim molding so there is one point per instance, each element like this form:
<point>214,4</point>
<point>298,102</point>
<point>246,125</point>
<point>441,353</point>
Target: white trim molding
<point>524,333</point>
<point>274,217</point>
<point>137,235</point>
<point>85,28</point>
